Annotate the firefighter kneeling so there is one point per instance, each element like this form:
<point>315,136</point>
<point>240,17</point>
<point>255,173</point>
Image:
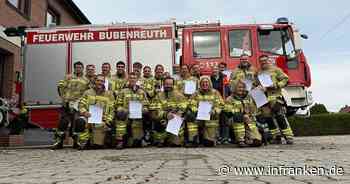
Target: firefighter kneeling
<point>97,100</point>
<point>130,104</point>
<point>207,104</point>
<point>165,106</point>
<point>240,109</point>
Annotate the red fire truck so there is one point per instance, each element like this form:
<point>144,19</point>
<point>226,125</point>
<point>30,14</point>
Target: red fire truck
<point>51,51</point>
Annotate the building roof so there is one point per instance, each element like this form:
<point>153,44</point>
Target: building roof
<point>77,12</point>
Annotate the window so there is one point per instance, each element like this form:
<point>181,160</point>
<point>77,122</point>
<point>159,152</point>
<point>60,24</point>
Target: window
<point>240,43</point>
<point>52,18</point>
<point>276,41</point>
<point>14,3</point>
<point>206,45</point>
<point>22,6</point>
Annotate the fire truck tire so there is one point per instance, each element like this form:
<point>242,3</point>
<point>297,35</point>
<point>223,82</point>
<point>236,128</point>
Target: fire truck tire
<point>1,118</point>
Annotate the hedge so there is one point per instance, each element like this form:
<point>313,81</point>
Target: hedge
<point>321,124</point>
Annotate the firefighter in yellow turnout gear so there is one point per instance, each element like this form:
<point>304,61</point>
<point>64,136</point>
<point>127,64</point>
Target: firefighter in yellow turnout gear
<point>240,110</point>
<point>129,130</point>
<point>165,105</point>
<point>119,80</point>
<point>275,109</point>
<point>70,90</point>
<point>185,76</point>
<point>244,72</point>
<point>94,134</point>
<point>207,129</point>
<point>148,82</point>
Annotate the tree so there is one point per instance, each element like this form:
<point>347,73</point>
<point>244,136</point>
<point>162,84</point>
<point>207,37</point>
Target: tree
<point>318,109</point>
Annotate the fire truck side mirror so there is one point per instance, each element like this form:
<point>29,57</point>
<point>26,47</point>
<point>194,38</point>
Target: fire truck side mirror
<point>304,36</point>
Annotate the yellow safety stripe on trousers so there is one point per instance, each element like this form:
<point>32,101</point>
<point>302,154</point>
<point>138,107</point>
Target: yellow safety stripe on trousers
<point>252,126</point>
<point>274,131</point>
<point>136,124</point>
<point>159,135</point>
<point>287,132</point>
<point>238,127</point>
<point>121,129</point>
<point>212,123</point>
<point>84,136</point>
<point>192,127</point>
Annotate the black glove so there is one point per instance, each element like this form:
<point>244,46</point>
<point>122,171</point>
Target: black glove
<point>190,116</point>
<point>228,114</point>
<point>237,117</point>
<point>122,115</point>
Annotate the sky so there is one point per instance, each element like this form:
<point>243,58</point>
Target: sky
<point>325,22</point>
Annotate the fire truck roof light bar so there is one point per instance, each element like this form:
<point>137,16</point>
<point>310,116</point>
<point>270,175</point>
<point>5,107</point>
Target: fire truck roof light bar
<point>266,27</point>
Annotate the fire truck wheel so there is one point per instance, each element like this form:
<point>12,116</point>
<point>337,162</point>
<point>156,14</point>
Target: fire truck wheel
<point>1,118</point>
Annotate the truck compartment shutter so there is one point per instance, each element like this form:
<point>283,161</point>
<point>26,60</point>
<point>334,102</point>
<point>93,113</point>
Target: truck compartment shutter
<point>153,52</point>
<point>98,53</point>
<point>45,65</point>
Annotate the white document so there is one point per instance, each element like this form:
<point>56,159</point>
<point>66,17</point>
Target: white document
<point>265,80</point>
<point>135,110</point>
<point>248,84</point>
<point>174,125</point>
<point>96,113</point>
<point>259,97</point>
<point>204,109</point>
<point>227,73</point>
<point>106,84</point>
<point>190,87</point>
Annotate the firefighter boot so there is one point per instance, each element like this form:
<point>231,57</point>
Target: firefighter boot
<point>285,128</point>
<point>193,139</point>
<point>121,133</point>
<point>79,126</point>
<point>210,133</point>
<point>59,138</point>
<point>275,134</point>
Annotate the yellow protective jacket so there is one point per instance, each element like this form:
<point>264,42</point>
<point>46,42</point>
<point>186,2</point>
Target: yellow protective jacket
<point>119,83</point>
<point>91,81</point>
<point>148,85</point>
<point>280,80</point>
<point>212,96</point>
<point>240,74</point>
<point>73,89</point>
<point>126,95</point>
<point>180,84</point>
<point>164,102</point>
<point>243,105</point>
<point>104,100</point>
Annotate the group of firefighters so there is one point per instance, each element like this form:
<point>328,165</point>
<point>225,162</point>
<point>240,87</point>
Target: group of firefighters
<point>163,97</point>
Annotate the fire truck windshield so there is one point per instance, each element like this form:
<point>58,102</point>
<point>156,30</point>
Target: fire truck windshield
<point>276,41</point>
<point>206,45</point>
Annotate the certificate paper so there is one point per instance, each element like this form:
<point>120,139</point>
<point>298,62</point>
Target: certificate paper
<point>96,114</point>
<point>248,84</point>
<point>135,110</point>
<point>190,87</point>
<point>265,80</point>
<point>259,97</point>
<point>204,109</point>
<point>174,125</point>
